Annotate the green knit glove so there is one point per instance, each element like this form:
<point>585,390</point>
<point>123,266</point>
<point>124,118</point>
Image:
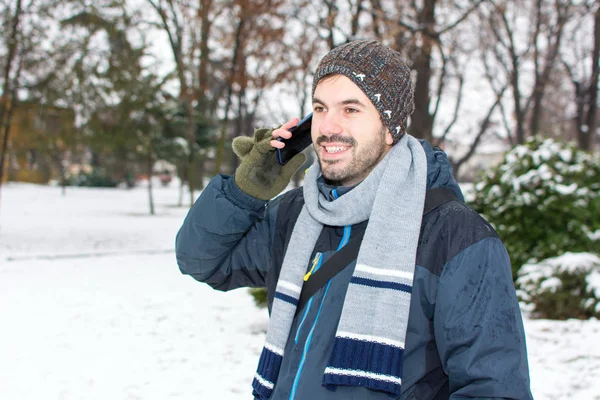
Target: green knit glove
<point>259,174</point>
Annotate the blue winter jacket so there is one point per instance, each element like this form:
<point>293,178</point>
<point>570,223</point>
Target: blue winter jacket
<point>465,337</point>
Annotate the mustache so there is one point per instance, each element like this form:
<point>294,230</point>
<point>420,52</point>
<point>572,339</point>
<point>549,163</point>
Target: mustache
<point>336,139</point>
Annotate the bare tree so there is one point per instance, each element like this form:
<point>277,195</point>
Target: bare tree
<point>237,49</point>
<point>509,54</point>
<point>178,21</point>
<point>519,48</point>
<point>545,61</point>
<point>264,54</point>
<point>585,85</point>
<point>420,34</point>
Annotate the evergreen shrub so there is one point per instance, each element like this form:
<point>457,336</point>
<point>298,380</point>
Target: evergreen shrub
<point>260,296</point>
<point>562,287</point>
<point>543,200</point>
<point>95,178</point>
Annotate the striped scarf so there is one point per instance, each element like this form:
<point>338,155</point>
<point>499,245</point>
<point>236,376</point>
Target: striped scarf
<point>368,347</point>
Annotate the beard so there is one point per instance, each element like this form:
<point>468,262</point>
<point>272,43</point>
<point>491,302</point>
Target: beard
<point>363,159</point>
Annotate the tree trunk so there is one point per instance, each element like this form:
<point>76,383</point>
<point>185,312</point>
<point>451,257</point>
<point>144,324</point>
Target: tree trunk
<point>330,21</point>
<point>354,25</point>
<point>5,131</point>
<point>587,134</point>
<point>57,159</point>
<point>242,111</point>
<point>205,6</point>
<point>201,169</point>
<point>517,102</point>
<point>512,68</point>
<point>234,61</point>
<point>422,121</point>
<point>181,186</point>
<point>8,94</point>
<point>543,77</point>
<point>150,164</point>
<point>376,14</point>
<point>191,139</point>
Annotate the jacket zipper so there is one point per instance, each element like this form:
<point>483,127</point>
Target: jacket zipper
<point>345,238</point>
<point>315,267</point>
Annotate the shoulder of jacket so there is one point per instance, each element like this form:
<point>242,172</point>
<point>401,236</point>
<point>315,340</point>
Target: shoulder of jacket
<point>457,215</point>
<point>448,230</point>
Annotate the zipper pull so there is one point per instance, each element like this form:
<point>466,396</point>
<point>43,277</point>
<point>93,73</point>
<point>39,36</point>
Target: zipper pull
<point>314,264</point>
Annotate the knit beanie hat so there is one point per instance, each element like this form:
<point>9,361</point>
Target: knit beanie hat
<point>380,73</point>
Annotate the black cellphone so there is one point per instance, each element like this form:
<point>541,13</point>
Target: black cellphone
<point>299,141</point>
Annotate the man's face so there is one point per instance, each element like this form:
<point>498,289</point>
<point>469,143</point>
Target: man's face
<point>348,135</point>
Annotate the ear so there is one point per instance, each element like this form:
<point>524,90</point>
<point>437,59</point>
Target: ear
<point>389,140</point>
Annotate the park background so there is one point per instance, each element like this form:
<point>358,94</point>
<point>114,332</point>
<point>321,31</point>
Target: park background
<point>115,114</point>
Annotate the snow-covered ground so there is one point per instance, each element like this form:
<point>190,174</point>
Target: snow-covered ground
<point>92,306</point>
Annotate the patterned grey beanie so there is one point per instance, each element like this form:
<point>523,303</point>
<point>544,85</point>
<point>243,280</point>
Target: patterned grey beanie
<point>380,73</point>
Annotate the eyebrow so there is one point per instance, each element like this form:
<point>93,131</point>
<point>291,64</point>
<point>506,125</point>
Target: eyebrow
<point>344,102</point>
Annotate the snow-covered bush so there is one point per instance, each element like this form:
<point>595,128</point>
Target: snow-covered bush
<point>563,287</point>
<point>543,200</point>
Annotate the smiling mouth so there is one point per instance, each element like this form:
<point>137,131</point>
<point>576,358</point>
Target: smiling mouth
<point>334,149</point>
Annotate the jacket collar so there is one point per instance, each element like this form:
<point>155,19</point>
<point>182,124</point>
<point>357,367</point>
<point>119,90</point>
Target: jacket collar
<point>328,190</point>
<point>439,174</point>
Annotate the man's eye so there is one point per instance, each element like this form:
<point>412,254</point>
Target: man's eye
<point>318,109</point>
<point>351,110</point>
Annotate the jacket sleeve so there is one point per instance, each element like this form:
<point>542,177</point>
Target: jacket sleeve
<point>225,239</point>
<point>478,325</point>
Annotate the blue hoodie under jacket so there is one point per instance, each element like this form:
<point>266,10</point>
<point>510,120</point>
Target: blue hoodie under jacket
<point>465,337</point>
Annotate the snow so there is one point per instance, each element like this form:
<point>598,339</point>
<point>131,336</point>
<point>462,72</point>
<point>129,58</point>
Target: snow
<point>551,284</point>
<point>94,307</point>
<point>568,262</point>
<point>567,190</point>
<point>593,281</point>
<point>545,272</point>
<point>564,359</point>
<point>594,235</point>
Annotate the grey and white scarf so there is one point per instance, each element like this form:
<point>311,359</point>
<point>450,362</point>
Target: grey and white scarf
<point>369,342</point>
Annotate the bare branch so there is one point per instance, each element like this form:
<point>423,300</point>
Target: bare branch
<point>511,40</point>
<point>461,81</point>
<point>355,17</point>
<point>534,40</point>
<point>489,74</point>
<point>442,80</point>
<point>482,130</point>
<point>409,27</point>
<point>461,18</point>
<point>375,12</point>
<point>592,96</point>
<point>506,124</point>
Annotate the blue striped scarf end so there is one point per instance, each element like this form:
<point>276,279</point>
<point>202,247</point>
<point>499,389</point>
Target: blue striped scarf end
<point>260,391</point>
<point>266,374</point>
<point>363,363</point>
<point>331,381</point>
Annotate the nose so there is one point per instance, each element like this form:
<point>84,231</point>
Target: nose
<point>329,125</point>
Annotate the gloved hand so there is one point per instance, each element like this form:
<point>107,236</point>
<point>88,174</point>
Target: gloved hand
<point>259,174</point>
